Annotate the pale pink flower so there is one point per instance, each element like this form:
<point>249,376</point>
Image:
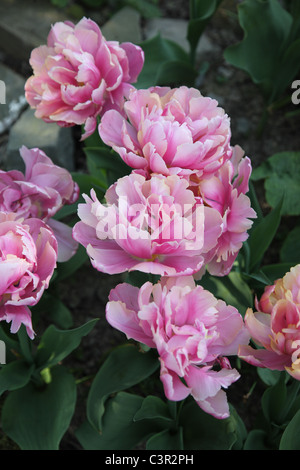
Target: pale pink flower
<point>78,74</point>
<point>225,191</point>
<point>275,327</point>
<point>28,253</point>
<point>40,193</point>
<point>156,226</point>
<point>169,131</point>
<point>192,331</point>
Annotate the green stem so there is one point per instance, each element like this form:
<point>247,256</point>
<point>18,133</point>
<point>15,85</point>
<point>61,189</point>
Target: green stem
<point>25,344</point>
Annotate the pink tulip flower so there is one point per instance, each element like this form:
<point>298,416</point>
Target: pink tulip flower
<point>275,327</point>
<point>28,253</point>
<point>78,74</point>
<point>40,193</point>
<point>169,131</point>
<point>225,191</point>
<point>155,226</point>
<point>192,331</point>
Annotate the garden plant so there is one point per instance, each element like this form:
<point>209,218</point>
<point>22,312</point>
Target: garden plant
<point>169,203</point>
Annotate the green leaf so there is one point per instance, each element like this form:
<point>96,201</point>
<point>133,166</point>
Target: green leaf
<point>231,288</point>
<point>256,440</point>
<point>288,69</point>
<point>166,440</point>
<point>12,346</point>
<point>159,54</point>
<point>119,431</point>
<point>254,202</point>
<point>281,172</point>
<point>262,235</point>
<point>284,181</point>
<point>87,182</point>
<point>176,73</point>
<point>201,11</point>
<point>268,376</point>
<point>68,268</point>
<point>104,158</point>
<point>266,25</point>
<point>202,431</point>
<point>238,428</point>
<point>152,408</point>
<point>273,401</point>
<point>125,366</point>
<point>25,344</point>
<point>147,9</point>
<point>56,344</point>
<point>290,250</point>
<point>290,439</point>
<point>15,375</point>
<point>37,418</point>
<point>55,309</point>
<point>276,271</point>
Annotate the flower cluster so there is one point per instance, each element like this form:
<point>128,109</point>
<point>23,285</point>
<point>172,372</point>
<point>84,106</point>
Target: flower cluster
<point>31,241</point>
<point>178,145</point>
<point>275,327</point>
<point>180,211</point>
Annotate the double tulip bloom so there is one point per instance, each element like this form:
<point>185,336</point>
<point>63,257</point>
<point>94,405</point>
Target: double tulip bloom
<point>40,193</point>
<point>275,327</point>
<point>78,75</point>
<point>192,331</point>
<point>28,255</point>
<point>169,131</point>
<point>152,225</point>
<point>31,241</point>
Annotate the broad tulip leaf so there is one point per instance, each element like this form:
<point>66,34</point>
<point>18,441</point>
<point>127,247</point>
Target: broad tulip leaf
<point>104,158</point>
<point>202,431</point>
<point>119,430</point>
<point>68,268</point>
<point>176,73</point>
<point>160,52</point>
<point>256,440</point>
<point>152,408</point>
<point>290,250</point>
<point>282,180</point>
<point>231,288</point>
<point>166,440</point>
<point>15,375</point>
<point>262,235</point>
<point>125,366</point>
<point>268,376</point>
<point>276,271</point>
<point>274,400</point>
<point>87,182</point>
<point>37,418</point>
<point>56,344</point>
<point>290,439</point>
<point>146,8</point>
<point>201,11</point>
<point>266,25</point>
<point>55,309</point>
